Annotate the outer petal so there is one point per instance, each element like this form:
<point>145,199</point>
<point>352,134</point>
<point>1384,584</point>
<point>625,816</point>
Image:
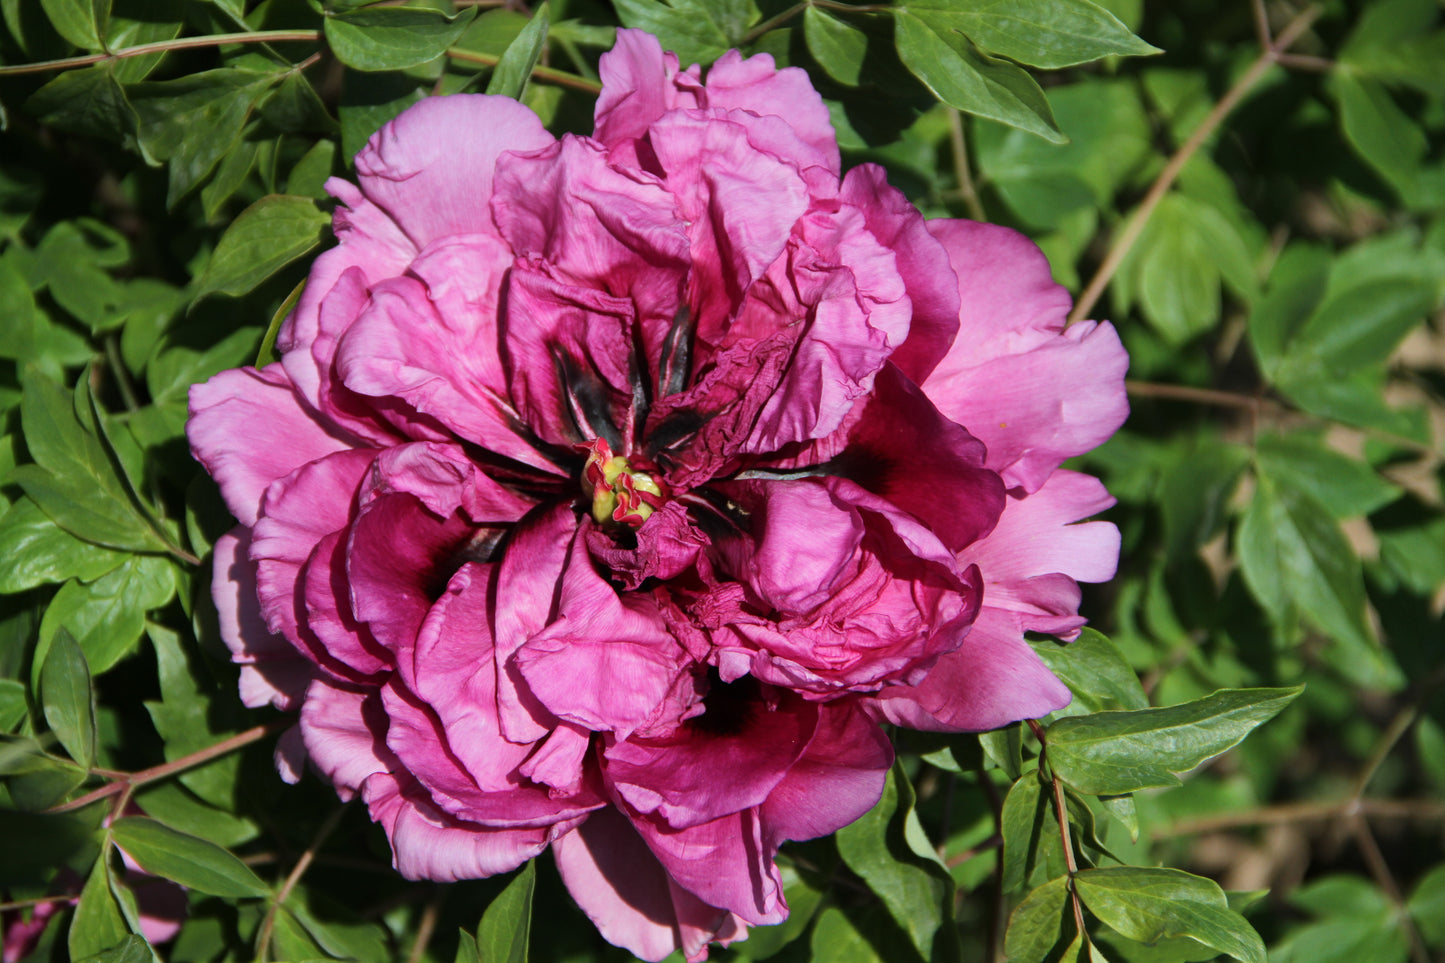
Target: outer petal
<point>756,86</point>
<point>248,428</point>
<point>271,668</point>
<point>1034,393</point>
<point>630,898</point>
<point>431,167</point>
<point>637,88</point>
<point>992,679</point>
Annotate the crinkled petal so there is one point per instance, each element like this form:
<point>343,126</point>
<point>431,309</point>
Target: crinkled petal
<point>431,168</point>
<point>630,898</point>
<point>248,428</point>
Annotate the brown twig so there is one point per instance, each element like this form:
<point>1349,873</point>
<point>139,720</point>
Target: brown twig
<point>1121,247</point>
<point>128,782</point>
<point>268,924</point>
<point>163,46</point>
<point>1062,812</point>
<point>426,925</point>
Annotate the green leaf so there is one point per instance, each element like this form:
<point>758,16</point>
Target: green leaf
<point>1095,671</point>
<point>1195,493</point>
<point>838,47</point>
<point>1111,753</point>
<point>75,20</point>
<point>72,258</point>
<point>1031,842</point>
<point>836,938</point>
<point>309,175</point>
<point>189,719</point>
<point>509,77</point>
<point>1005,747</point>
<point>1185,250</point>
<point>1038,924</point>
<point>889,850</point>
<point>35,780</point>
<point>67,699</point>
<point>97,924</point>
<point>1149,905</point>
<point>506,927</point>
<point>966,78</point>
<point>1294,557</point>
<point>467,948</point>
<point>188,860</point>
<point>39,552</point>
<point>698,31</point>
<point>132,949</point>
<point>1381,132</point>
<point>13,707</point>
<point>1358,327</point>
<point>74,482</point>
<point>393,38</point>
<point>89,101</point>
<point>266,237</point>
<point>1296,287</point>
<point>174,805</point>
<point>1346,487</point>
<point>195,120</point>
<point>1427,906</point>
<point>370,100</point>
<point>1041,33</point>
<point>107,616</point>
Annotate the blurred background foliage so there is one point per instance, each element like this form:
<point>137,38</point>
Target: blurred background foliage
<point>1258,208</point>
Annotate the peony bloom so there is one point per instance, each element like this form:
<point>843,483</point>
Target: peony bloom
<point>611,491</point>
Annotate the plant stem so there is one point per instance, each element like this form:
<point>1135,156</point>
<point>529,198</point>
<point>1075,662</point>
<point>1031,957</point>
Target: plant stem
<point>1061,810</point>
<point>966,190</point>
<point>132,781</point>
<point>268,925</point>
<point>546,74</point>
<point>164,46</point>
<point>1127,237</point>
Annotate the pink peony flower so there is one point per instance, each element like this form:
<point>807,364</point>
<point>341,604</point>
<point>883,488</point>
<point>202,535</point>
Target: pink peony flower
<point>611,491</point>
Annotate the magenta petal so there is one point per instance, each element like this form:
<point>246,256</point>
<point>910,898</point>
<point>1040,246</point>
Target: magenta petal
<point>724,863</point>
<point>608,662</point>
<point>838,779</point>
<point>444,480</point>
<point>344,730</point>
<point>271,668</point>
<point>528,581</point>
<point>1034,392</point>
<point>297,512</point>
<point>426,843</point>
<point>755,86</point>
<point>630,898</point>
<point>637,87</point>
<point>456,674</point>
<point>431,167</point>
<point>328,610</point>
<point>992,679</point>
<point>248,428</point>
<point>695,775</point>
<point>398,560</point>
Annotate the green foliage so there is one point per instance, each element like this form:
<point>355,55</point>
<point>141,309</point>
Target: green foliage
<point>1279,287</point>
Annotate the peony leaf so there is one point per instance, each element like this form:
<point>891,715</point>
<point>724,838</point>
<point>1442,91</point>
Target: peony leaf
<point>1111,753</point>
<point>1295,558</point>
<point>1095,671</point>
<point>506,927</point>
<point>1345,487</point>
<point>67,699</point>
<point>194,121</point>
<point>1295,288</point>
<point>393,38</point>
<point>509,77</point>
<point>89,101</point>
<point>79,21</point>
<point>132,949</point>
<point>839,47</point>
<point>1030,831</point>
<point>188,720</point>
<point>189,860</point>
<point>836,937</point>
<point>39,552</point>
<point>698,31</point>
<point>889,850</point>
<point>1039,924</point>
<point>1149,905</point>
<point>107,616</point>
<point>97,924</point>
<point>1041,33</point>
<point>966,78</point>
<point>266,237</point>
<point>74,481</point>
<point>13,706</point>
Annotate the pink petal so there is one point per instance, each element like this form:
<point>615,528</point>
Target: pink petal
<point>444,479</point>
<point>922,263</point>
<point>271,668</point>
<point>329,618</point>
<point>992,679</point>
<point>1034,393</point>
<point>755,86</point>
<point>248,428</point>
<point>344,730</point>
<point>426,843</point>
<point>607,662</point>
<point>637,88</point>
<point>431,168</point>
<point>838,779</point>
<point>627,894</point>
<point>704,770</point>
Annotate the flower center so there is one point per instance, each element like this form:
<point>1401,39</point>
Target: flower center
<point>621,495</point>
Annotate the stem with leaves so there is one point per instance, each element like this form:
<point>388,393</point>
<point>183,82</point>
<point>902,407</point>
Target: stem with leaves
<point>1062,811</point>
